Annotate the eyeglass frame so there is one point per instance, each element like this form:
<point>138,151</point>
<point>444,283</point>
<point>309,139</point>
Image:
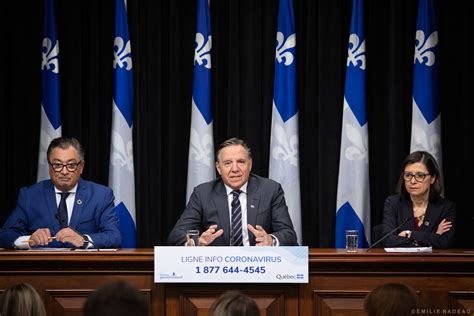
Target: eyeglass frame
<point>67,165</point>
<point>405,176</point>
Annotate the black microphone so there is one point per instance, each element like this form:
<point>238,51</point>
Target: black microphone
<point>17,222</point>
<point>388,234</point>
<point>85,239</point>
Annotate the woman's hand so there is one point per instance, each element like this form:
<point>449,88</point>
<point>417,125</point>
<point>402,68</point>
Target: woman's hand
<point>443,227</point>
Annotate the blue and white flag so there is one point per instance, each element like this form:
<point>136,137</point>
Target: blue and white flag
<point>121,171</point>
<point>353,195</point>
<point>426,117</point>
<point>50,99</point>
<point>284,152</point>
<point>201,142</point>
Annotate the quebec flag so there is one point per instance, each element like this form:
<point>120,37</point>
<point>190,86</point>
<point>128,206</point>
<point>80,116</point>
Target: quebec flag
<point>353,195</point>
<point>284,151</point>
<point>121,172</point>
<point>426,117</point>
<point>50,99</point>
<point>201,142</point>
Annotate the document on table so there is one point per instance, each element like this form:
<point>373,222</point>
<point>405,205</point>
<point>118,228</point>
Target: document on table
<point>410,249</point>
<point>73,249</point>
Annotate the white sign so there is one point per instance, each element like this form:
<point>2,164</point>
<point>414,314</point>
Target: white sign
<point>231,264</point>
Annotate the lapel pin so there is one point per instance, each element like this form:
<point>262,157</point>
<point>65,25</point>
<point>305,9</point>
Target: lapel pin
<point>427,223</point>
<point>79,202</point>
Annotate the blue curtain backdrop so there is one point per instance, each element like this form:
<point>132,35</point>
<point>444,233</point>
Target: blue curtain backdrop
<point>243,35</point>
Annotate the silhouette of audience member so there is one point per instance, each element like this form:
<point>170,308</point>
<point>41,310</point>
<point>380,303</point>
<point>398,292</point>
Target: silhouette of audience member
<point>392,299</point>
<point>117,298</point>
<point>234,303</point>
<point>21,300</point>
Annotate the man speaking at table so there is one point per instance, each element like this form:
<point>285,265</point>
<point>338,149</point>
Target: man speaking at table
<point>65,211</point>
<point>237,209</point>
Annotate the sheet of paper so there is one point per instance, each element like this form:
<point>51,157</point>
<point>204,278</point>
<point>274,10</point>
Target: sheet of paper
<point>410,249</point>
<point>71,249</point>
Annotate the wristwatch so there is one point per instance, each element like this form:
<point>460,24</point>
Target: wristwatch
<point>274,241</point>
<point>86,241</point>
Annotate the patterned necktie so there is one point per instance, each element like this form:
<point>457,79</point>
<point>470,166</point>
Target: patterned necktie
<point>62,210</point>
<point>236,226</point>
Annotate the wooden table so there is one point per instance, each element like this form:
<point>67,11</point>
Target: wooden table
<point>338,283</point>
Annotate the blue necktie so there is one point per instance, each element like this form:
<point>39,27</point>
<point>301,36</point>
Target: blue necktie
<point>236,225</point>
<point>62,210</point>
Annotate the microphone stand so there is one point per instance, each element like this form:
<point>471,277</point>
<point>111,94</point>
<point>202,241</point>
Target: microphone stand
<point>388,234</point>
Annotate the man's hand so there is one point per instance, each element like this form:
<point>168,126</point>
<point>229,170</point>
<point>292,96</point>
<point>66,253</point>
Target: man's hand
<point>70,236</point>
<point>41,237</point>
<point>210,235</point>
<point>443,227</point>
<point>261,236</point>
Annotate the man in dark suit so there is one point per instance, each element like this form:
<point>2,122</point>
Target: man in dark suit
<point>65,211</point>
<point>237,209</point>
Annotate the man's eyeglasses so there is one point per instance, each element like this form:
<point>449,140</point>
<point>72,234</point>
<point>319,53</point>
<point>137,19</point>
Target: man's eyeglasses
<point>419,176</point>
<point>71,166</point>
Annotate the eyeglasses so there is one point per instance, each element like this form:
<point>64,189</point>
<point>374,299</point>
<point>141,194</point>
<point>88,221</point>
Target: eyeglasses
<point>419,176</point>
<point>71,166</point>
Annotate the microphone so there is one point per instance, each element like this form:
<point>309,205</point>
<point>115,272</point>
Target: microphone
<point>388,234</point>
<point>85,239</point>
<point>17,222</point>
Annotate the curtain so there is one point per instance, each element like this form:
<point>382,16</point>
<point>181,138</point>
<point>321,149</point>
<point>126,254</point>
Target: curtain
<point>162,36</point>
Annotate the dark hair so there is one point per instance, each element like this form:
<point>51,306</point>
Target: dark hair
<point>21,300</point>
<point>430,162</point>
<point>231,142</point>
<point>117,298</point>
<point>234,303</point>
<point>392,299</point>
<point>65,143</point>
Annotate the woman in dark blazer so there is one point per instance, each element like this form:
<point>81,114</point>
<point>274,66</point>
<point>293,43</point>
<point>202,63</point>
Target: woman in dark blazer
<point>425,217</point>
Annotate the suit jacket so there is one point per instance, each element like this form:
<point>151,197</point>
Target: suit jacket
<point>397,209</point>
<point>93,214</point>
<point>209,205</point>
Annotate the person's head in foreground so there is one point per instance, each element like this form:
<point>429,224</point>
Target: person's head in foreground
<point>117,298</point>
<point>392,299</point>
<point>21,300</point>
<point>234,303</point>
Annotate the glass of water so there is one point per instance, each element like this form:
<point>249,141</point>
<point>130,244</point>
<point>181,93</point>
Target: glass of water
<point>192,237</point>
<point>352,239</point>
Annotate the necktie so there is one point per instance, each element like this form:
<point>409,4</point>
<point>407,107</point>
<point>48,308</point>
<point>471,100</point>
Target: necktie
<point>236,225</point>
<point>62,209</point>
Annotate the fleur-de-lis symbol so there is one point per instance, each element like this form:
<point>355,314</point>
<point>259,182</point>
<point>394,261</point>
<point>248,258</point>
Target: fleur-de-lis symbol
<point>283,46</point>
<point>201,147</point>
<point>430,143</point>
<point>356,52</point>
<point>122,154</point>
<point>288,146</point>
<point>203,50</point>
<point>423,52</point>
<point>359,150</point>
<point>122,53</point>
<point>50,55</point>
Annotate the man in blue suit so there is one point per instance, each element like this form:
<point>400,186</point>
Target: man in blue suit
<point>65,211</point>
<point>239,208</point>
